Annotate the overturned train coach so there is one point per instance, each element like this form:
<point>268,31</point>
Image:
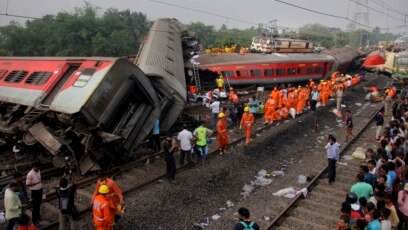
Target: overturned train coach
<point>266,69</point>
<point>87,109</point>
<point>97,110</point>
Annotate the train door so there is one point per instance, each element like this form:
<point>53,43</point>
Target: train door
<point>325,69</point>
<point>59,85</point>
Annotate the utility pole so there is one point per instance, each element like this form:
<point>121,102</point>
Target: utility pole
<point>272,25</point>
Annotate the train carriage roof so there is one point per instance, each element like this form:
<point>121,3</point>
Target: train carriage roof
<point>208,60</point>
<point>161,59</point>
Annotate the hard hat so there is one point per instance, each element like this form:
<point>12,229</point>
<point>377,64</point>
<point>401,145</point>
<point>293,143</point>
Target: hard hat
<point>310,79</point>
<point>333,83</point>
<point>221,115</point>
<point>103,189</point>
<point>220,76</point>
<point>386,90</point>
<point>231,88</point>
<point>246,109</point>
<point>299,86</point>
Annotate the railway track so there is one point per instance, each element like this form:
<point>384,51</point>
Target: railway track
<point>85,188</point>
<point>321,208</point>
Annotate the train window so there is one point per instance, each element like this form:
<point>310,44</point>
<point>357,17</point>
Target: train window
<point>291,70</point>
<point>319,70</point>
<point>16,76</point>
<point>242,73</point>
<point>309,70</point>
<point>300,71</point>
<point>255,73</point>
<point>280,71</point>
<point>85,76</point>
<point>2,73</point>
<point>269,72</point>
<point>227,73</point>
<point>38,78</point>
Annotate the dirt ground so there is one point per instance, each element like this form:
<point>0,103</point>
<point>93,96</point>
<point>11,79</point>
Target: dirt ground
<point>203,191</point>
<point>291,146</point>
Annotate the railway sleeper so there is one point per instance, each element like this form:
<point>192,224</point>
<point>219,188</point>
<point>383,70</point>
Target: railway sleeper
<point>303,213</point>
<point>319,205</point>
<point>298,223</point>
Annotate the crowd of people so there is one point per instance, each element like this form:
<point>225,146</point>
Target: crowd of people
<point>379,198</point>
<point>387,165</point>
<point>106,203</point>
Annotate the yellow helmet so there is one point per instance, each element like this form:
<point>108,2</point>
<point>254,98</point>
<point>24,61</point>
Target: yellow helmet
<point>231,88</point>
<point>246,109</point>
<point>220,76</point>
<point>104,189</point>
<point>221,115</point>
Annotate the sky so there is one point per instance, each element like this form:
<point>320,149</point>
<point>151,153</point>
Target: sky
<point>233,13</point>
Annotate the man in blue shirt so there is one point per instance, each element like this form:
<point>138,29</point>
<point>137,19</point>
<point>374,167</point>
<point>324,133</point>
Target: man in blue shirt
<point>156,136</point>
<point>333,155</point>
<point>314,97</point>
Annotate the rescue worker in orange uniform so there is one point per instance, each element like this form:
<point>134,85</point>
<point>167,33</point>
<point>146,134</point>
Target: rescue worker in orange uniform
<point>302,98</point>
<point>247,121</point>
<point>222,133</point>
<point>270,107</point>
<point>325,93</point>
<point>114,196</point>
<point>311,83</point>
<point>275,94</point>
<point>103,217</point>
<point>334,75</point>
<point>292,99</point>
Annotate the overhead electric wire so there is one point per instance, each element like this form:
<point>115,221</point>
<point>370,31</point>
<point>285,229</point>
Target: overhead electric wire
<point>222,16</point>
<point>385,5</point>
<point>376,10</point>
<point>318,12</point>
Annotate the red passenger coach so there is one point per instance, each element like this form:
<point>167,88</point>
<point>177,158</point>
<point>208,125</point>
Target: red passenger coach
<point>263,69</point>
<point>95,110</point>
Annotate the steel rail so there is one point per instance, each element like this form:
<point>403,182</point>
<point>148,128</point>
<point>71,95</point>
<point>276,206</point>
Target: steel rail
<point>315,181</point>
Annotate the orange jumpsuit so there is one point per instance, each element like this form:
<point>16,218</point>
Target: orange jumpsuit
<point>222,133</point>
<point>334,75</point>
<point>103,217</point>
<point>275,94</point>
<point>270,107</point>
<point>247,122</point>
<point>278,115</point>
<point>325,94</point>
<point>302,98</point>
<point>114,195</point>
<point>284,112</point>
<point>292,100</point>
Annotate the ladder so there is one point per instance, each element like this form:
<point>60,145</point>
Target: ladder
<point>196,76</point>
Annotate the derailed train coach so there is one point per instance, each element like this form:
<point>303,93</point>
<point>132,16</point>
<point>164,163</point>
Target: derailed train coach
<point>161,59</point>
<point>94,110</point>
<point>274,68</point>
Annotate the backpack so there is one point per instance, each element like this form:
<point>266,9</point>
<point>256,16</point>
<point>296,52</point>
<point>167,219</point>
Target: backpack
<point>64,201</point>
<point>247,226</point>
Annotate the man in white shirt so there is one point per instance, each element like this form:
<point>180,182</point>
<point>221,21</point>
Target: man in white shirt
<point>184,138</point>
<point>12,204</point>
<point>35,185</point>
<point>215,110</point>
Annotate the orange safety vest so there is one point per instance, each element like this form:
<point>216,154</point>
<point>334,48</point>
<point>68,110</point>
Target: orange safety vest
<point>103,217</point>
<point>114,195</point>
<point>270,104</point>
<point>222,132</point>
<point>247,120</point>
<point>275,95</point>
